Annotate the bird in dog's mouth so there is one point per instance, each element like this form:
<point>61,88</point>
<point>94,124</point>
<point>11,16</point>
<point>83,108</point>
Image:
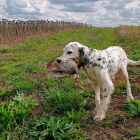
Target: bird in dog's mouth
<point>62,70</point>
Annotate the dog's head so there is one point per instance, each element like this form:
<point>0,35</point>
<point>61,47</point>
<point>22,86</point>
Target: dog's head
<point>75,51</point>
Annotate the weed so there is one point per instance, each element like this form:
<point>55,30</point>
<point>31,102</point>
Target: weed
<point>13,111</point>
<point>118,91</point>
<point>4,50</point>
<point>132,107</point>
<point>127,34</point>
<point>25,85</point>
<point>52,128</point>
<point>5,92</point>
<point>59,101</point>
<point>135,50</point>
<point>115,118</point>
<point>122,84</point>
<point>113,136</point>
<point>131,70</point>
<point>136,133</point>
<point>134,78</point>
<point>75,115</point>
<point>135,86</point>
<point>31,68</point>
<point>108,120</point>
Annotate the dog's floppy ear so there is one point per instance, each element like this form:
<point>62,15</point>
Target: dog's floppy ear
<point>81,51</point>
<point>84,56</point>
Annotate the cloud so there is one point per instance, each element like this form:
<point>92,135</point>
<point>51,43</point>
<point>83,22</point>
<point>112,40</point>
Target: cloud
<point>118,12</point>
<point>70,1</point>
<point>3,14</point>
<point>75,6</point>
<point>96,12</point>
<point>24,8</point>
<point>84,8</point>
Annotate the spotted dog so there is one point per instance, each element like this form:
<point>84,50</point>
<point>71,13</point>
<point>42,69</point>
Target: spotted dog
<point>100,66</point>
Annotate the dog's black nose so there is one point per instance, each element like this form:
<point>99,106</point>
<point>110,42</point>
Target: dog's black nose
<point>58,61</point>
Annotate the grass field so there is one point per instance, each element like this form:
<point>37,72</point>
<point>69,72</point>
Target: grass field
<point>36,107</point>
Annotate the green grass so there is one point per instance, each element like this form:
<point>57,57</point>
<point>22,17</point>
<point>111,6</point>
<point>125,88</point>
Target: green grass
<point>65,105</point>
<point>132,107</point>
<point>14,110</point>
<point>136,133</point>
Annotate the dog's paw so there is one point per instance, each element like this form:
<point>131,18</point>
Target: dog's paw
<point>99,117</point>
<point>130,97</point>
<point>95,111</point>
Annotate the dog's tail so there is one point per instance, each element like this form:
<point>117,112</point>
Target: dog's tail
<point>131,62</point>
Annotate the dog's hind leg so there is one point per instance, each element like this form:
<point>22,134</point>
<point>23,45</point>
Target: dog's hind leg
<point>124,73</point>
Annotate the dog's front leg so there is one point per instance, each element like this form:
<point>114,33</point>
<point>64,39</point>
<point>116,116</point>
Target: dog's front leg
<point>102,108</point>
<point>107,91</point>
<point>97,98</point>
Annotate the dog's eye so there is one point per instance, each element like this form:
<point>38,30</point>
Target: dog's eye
<point>69,52</point>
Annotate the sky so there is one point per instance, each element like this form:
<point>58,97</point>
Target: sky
<point>102,13</point>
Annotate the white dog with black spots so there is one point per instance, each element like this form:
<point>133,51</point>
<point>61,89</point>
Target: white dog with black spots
<point>100,66</point>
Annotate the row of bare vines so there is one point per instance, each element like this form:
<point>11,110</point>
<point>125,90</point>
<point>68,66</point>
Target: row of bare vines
<point>14,31</point>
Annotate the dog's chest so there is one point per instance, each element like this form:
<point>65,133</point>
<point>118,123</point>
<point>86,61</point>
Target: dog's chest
<point>92,74</point>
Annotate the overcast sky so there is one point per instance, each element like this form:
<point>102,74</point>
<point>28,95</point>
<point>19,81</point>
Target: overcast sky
<point>96,12</point>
